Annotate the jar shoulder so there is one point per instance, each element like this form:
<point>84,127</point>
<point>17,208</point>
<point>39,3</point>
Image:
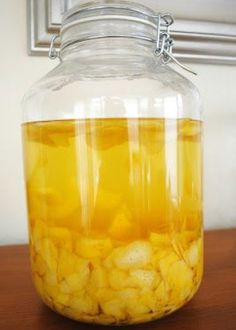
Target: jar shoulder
<point>73,91</point>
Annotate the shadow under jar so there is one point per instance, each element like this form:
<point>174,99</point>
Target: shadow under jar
<point>113,170</point>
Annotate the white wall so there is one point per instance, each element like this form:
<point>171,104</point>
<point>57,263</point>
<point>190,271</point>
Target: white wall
<point>18,71</point>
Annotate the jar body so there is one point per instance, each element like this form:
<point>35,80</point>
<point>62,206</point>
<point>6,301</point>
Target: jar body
<point>113,175</point>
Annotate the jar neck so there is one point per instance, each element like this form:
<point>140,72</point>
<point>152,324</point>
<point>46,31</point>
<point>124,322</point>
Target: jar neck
<point>120,48</point>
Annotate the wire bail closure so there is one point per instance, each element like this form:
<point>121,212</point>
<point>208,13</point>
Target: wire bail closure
<point>164,42</point>
<point>53,53</point>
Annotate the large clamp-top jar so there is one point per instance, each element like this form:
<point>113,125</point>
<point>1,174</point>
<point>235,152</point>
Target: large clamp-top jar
<point>113,170</point>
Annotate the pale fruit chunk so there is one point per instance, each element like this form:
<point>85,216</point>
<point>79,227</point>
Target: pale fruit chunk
<point>38,233</point>
<point>98,279</point>
<point>128,295</point>
<point>118,279</point>
<point>66,263</point>
<point>160,240</point>
<point>61,237</point>
<point>93,248</point>
<point>49,253</point>
<point>75,282</point>
<point>192,254</point>
<point>104,294</point>
<point>180,281</point>
<point>162,295</point>
<point>39,265</point>
<point>166,262</point>
<point>144,278</point>
<point>148,299</point>
<point>63,299</point>
<point>135,255</point>
<point>114,308</point>
<point>50,278</point>
<point>84,304</point>
<point>38,281</point>
<point>137,308</point>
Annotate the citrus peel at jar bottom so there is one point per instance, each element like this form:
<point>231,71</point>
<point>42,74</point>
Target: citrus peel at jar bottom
<point>96,280</point>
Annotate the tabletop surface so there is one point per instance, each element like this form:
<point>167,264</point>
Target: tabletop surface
<point>213,307</point>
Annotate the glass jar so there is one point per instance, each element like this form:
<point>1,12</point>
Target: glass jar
<point>113,170</point>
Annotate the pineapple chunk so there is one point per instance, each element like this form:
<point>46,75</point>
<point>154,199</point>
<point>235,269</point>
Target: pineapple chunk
<point>114,308</point>
<point>84,304</point>
<point>136,308</point>
<point>144,278</point>
<point>192,254</point>
<point>49,254</point>
<point>93,248</point>
<point>38,282</point>
<point>37,234</point>
<point>118,279</point>
<point>148,299</point>
<point>66,263</point>
<point>166,262</point>
<point>107,203</point>
<point>63,299</point>
<point>75,282</point>
<point>51,291</point>
<point>39,265</point>
<point>162,295</point>
<point>180,281</point>
<point>105,294</point>
<point>160,240</point>
<point>98,279</point>
<point>122,227</point>
<point>61,237</point>
<point>135,255</point>
<point>70,264</point>
<point>50,279</point>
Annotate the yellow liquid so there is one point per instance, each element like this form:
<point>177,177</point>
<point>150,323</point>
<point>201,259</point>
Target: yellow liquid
<point>115,215</point>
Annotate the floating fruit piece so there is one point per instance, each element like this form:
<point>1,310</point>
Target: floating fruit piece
<point>106,136</point>
<point>106,206</point>
<point>51,133</point>
<point>93,248</point>
<point>135,255</point>
<point>122,227</point>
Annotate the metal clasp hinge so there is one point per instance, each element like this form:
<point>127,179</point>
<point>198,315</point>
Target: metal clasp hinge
<point>164,42</point>
<point>53,52</point>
